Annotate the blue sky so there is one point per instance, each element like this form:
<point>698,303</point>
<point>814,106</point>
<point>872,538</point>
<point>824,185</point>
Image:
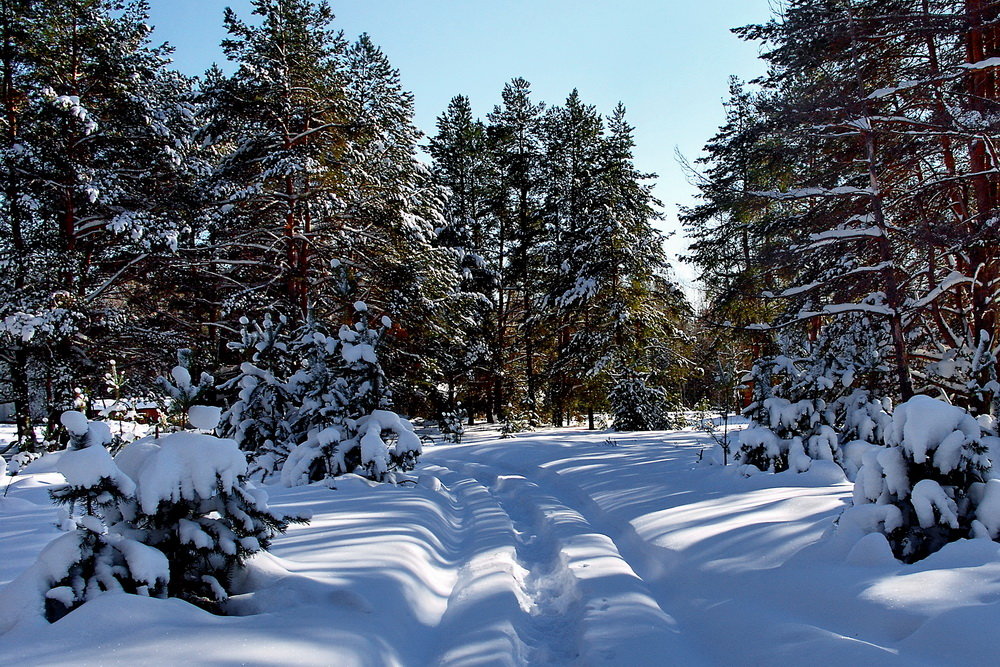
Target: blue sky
<point>667,60</point>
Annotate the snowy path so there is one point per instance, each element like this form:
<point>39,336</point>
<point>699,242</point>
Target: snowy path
<point>549,548</point>
<point>580,600</point>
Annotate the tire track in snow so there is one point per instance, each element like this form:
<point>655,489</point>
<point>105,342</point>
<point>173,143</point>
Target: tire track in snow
<point>478,627</point>
<point>588,599</point>
<point>552,630</point>
<point>515,600</point>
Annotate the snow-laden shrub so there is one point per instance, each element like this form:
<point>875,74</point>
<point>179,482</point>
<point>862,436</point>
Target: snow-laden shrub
<point>93,559</point>
<point>512,424</point>
<point>169,516</point>
<point>923,487</point>
<point>819,394</point>
<point>180,389</point>
<point>452,424</point>
<point>371,446</point>
<point>83,432</point>
<point>194,504</point>
<point>637,405</point>
<point>258,418</point>
<point>328,413</point>
<point>790,438</point>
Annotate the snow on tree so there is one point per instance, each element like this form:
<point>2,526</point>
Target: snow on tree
<point>258,417</point>
<point>170,516</point>
<point>180,388</point>
<point>351,437</point>
<point>83,432</point>
<point>637,405</point>
<point>823,392</point>
<point>194,504</point>
<point>452,424</point>
<point>80,222</point>
<point>925,487</point>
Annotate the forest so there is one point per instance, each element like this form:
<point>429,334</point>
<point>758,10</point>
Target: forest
<point>267,276</point>
<point>519,266</point>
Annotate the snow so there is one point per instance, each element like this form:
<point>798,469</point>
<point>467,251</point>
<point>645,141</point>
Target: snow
<point>953,279</point>
<point>374,450</point>
<point>988,510</point>
<point>982,64</point>
<point>75,422</point>
<point>146,564</point>
<point>801,193</point>
<point>205,417</point>
<point>85,433</point>
<point>353,353</point>
<point>923,423</point>
<point>181,375</point>
<point>933,505</point>
<point>181,466</point>
<point>546,548</point>
<point>88,466</point>
<point>851,233</point>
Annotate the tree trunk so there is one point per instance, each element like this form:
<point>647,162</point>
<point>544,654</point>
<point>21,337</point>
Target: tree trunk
<point>22,401</point>
<point>982,43</point>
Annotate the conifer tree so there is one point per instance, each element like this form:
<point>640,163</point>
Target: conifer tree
<point>86,99</point>
<point>282,119</point>
<point>515,135</point>
<point>461,164</point>
<point>99,560</point>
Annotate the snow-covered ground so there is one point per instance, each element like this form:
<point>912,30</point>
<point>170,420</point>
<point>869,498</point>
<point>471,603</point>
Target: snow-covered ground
<point>556,547</point>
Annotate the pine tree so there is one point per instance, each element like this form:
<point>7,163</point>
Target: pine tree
<point>848,183</point>
<point>461,164</point>
<point>194,505</point>
<point>638,406</point>
<point>350,416</point>
<point>258,417</point>
<point>515,134</point>
<point>86,98</point>
<point>180,390</point>
<point>282,117</point>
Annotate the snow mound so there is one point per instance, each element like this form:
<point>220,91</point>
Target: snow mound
<point>871,550</point>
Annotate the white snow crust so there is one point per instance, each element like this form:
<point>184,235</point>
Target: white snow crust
<point>205,417</point>
<point>87,466</point>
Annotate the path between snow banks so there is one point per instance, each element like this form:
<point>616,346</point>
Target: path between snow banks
<point>549,548</point>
